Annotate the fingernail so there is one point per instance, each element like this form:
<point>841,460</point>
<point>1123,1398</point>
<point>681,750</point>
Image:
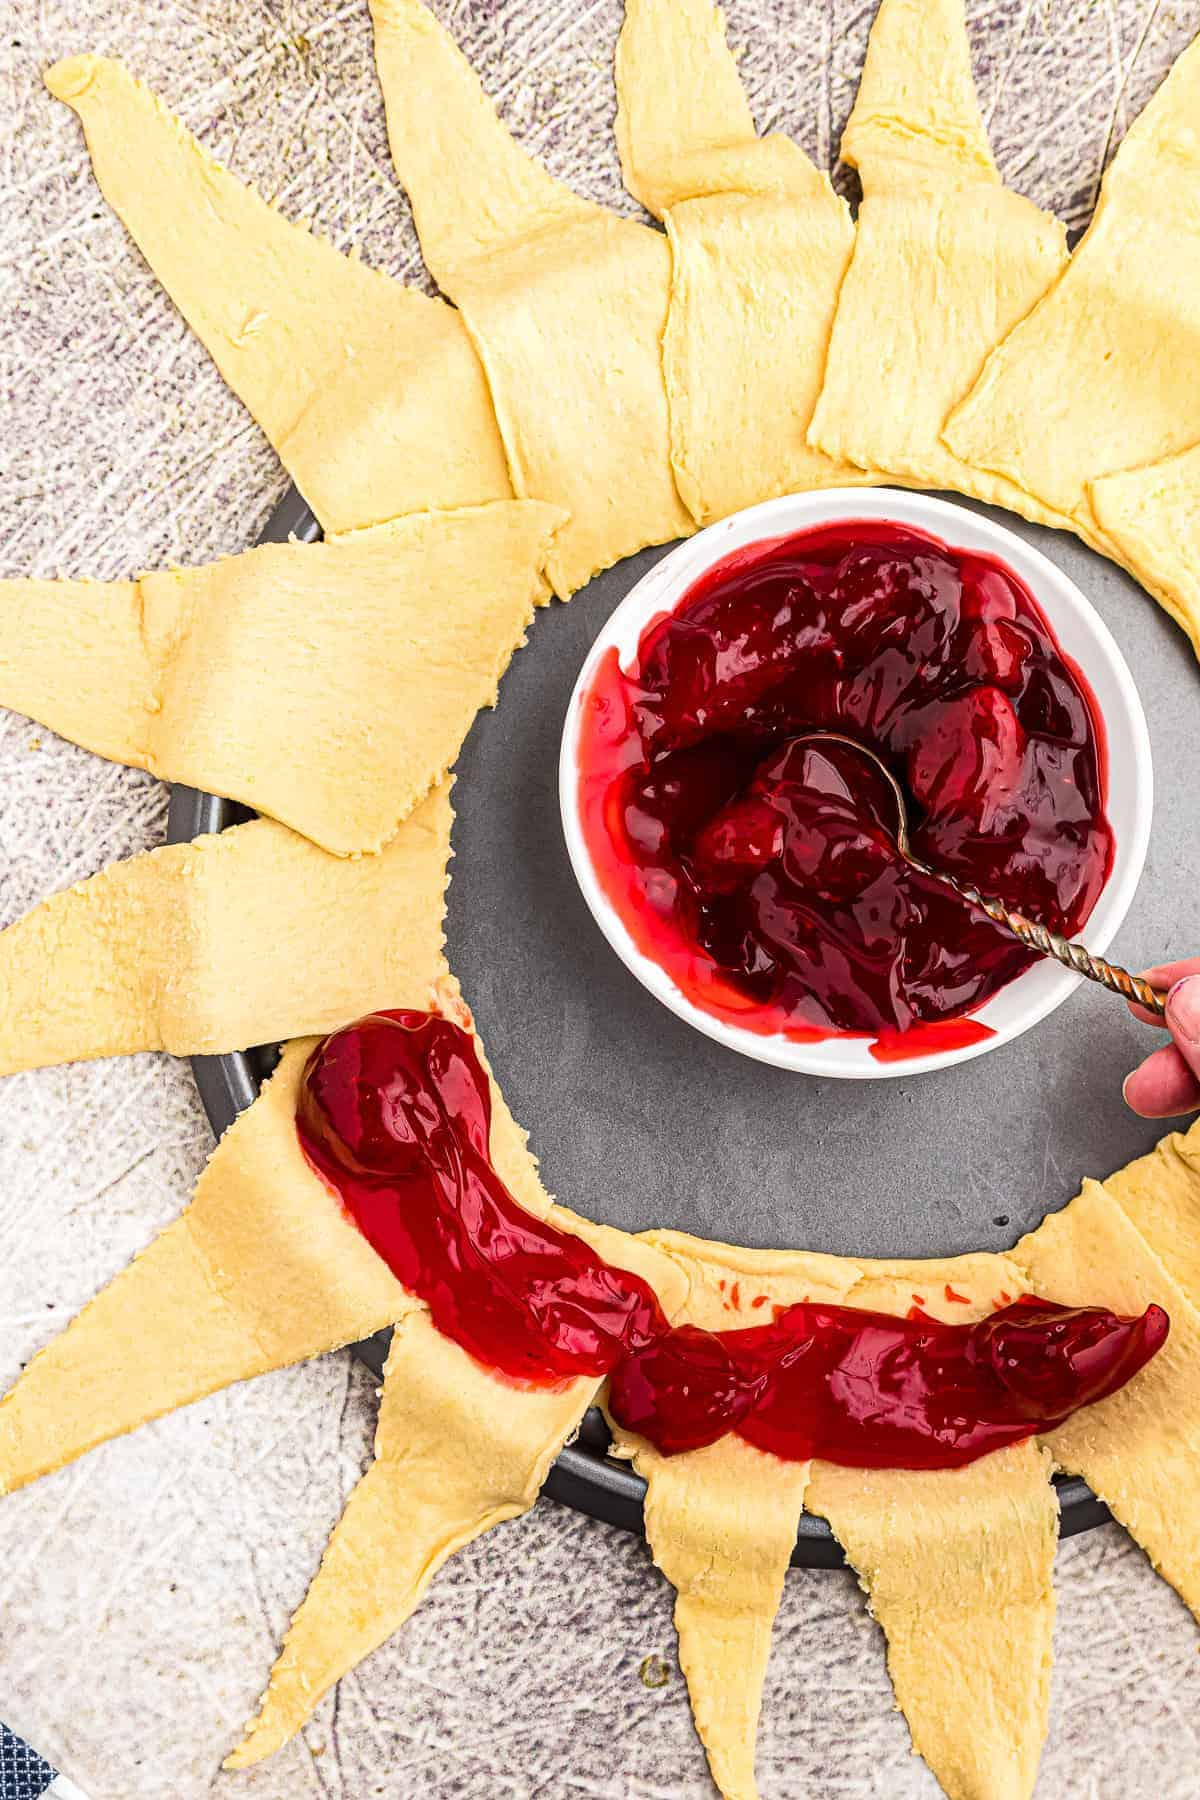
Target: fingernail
<point>1183,1008</point>
<point>1125,1087</point>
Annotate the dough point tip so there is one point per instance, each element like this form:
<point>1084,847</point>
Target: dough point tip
<point>69,78</point>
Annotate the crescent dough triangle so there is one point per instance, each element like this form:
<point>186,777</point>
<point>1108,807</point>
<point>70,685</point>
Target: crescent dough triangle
<point>916,126</point>
<point>370,393</point>
<point>721,1525</point>
<point>1151,518</point>
<point>684,129</point>
<point>327,685</point>
<point>722,1521</point>
<point>224,943</point>
<point>566,302</point>
<point>1160,1196</point>
<point>759,246</point>
<point>1135,1449</point>
<point>957,1566</point>
<point>684,126</point>
<point>946,260</point>
<point>262,1269</point>
<point>1104,375</point>
<point>457,1451</point>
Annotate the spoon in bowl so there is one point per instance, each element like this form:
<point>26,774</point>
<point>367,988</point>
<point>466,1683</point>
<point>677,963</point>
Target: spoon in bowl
<point>1028,931</point>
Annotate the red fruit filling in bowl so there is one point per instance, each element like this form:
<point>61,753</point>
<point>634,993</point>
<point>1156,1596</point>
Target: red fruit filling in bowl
<point>761,871</point>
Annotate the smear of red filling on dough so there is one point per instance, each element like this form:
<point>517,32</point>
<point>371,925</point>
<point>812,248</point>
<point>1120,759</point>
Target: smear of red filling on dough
<point>759,871</point>
<point>395,1114</point>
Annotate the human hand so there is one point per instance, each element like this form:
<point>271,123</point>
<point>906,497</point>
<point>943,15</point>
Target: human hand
<point>1168,1082</point>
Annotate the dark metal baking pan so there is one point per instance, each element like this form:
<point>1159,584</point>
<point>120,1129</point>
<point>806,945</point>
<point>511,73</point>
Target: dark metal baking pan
<point>641,1121</point>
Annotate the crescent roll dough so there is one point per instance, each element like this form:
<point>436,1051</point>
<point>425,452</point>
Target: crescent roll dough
<point>762,345</point>
<point>263,1269</point>
<point>722,1524</point>
<point>1138,1449</point>
<point>957,1566</point>
<point>1151,518</point>
<point>566,302</point>
<point>1160,1196</point>
<point>946,259</point>
<point>371,394</point>
<point>683,125</point>
<point>759,247</point>
<point>721,1521</point>
<point>1104,375</point>
<point>457,1451</point>
<point>242,938</point>
<point>328,685</point>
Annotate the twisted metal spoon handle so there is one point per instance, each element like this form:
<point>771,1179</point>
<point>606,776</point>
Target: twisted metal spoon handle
<point>1052,943</point>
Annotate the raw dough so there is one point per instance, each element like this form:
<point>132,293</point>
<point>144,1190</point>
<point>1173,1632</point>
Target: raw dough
<point>328,685</point>
<point>946,259</point>
<point>716,1273</point>
<point>1160,1196</point>
<point>1151,518</point>
<point>941,1552</point>
<point>566,302</point>
<point>224,943</point>
<point>371,393</point>
<point>1104,375</point>
<point>683,125</point>
<point>722,1521</point>
<point>262,1269</point>
<point>217,944</point>
<point>957,1565</point>
<point>759,245</point>
<point>721,1525</point>
<point>1138,1449</point>
<point>456,1451</point>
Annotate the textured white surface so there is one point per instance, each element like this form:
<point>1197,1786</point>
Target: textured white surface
<point>143,1591</point>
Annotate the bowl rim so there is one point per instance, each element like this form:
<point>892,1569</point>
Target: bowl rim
<point>1082,634</point>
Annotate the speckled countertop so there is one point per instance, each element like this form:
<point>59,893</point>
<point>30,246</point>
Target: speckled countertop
<point>143,1591</point>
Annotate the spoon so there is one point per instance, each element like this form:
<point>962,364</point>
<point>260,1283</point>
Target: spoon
<point>1036,937</point>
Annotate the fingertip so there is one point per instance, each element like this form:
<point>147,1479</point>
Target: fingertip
<point>1164,977</point>
<point>1162,1087</point>
<point>1183,1002</point>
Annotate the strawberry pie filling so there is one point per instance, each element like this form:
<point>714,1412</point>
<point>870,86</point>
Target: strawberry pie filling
<point>760,870</point>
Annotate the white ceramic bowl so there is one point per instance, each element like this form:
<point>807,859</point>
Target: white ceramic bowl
<point>1081,633</point>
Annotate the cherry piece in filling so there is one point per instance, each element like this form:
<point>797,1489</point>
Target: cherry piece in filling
<point>761,871</point>
<point>395,1114</point>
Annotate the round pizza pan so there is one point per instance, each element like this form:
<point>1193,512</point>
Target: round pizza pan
<point>640,1121</point>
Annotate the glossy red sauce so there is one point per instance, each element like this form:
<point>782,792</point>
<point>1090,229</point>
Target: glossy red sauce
<point>395,1115</point>
<point>761,872</point>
